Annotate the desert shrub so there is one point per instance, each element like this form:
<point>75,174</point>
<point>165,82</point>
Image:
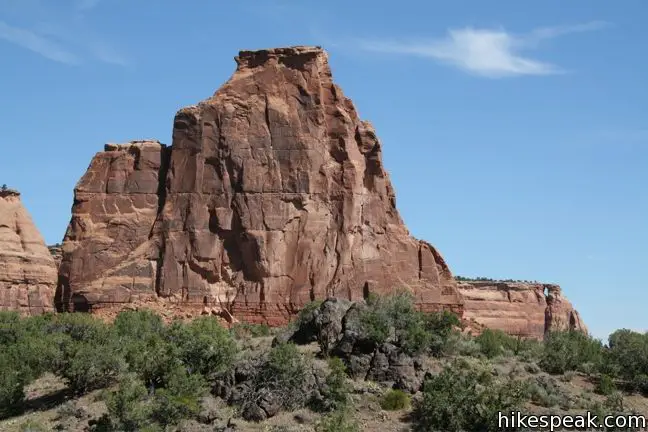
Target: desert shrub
<point>25,339</point>
<point>79,327</point>
<point>11,328</point>
<point>569,351</point>
<point>149,356</point>
<point>461,344</point>
<point>495,342</point>
<point>90,366</point>
<point>306,312</point>
<point>244,330</point>
<point>627,358</point>
<point>203,345</point>
<point>336,393</point>
<point>544,391</point>
<point>340,420</point>
<point>128,407</point>
<point>32,426</point>
<point>395,400</point>
<point>12,383</point>
<point>492,342</point>
<point>568,376</point>
<point>614,402</point>
<point>395,317</point>
<point>138,324</point>
<point>377,319</point>
<point>133,407</point>
<point>179,399</point>
<point>440,326</point>
<point>605,385</point>
<point>283,374</point>
<point>466,396</point>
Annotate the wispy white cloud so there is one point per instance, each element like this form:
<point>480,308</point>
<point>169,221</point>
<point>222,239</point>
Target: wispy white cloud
<point>107,53</point>
<point>62,33</point>
<point>87,4</point>
<point>38,44</point>
<point>492,53</point>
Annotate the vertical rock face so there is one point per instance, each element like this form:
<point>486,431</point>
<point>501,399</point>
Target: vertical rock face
<point>273,194</point>
<point>518,308</point>
<point>107,257</point>
<point>27,270</point>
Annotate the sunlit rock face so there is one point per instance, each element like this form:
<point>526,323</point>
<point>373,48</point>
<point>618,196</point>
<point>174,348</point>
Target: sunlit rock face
<point>27,269</point>
<point>272,194</point>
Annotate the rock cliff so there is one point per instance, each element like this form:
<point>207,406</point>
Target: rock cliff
<point>272,194</point>
<point>27,270</point>
<point>519,308</point>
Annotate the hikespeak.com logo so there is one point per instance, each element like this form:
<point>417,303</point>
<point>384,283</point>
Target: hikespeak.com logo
<point>589,421</point>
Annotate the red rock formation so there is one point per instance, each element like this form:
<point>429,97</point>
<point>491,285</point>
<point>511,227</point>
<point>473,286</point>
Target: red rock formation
<point>518,308</point>
<point>107,256</point>
<point>27,270</point>
<point>275,194</point>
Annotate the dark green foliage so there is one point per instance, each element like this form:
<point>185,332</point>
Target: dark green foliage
<point>91,366</point>
<point>337,388</point>
<point>605,385</point>
<point>12,382</point>
<point>128,407</point>
<point>569,351</point>
<point>466,397</point>
<point>307,311</point>
<point>204,346</point>
<point>180,399</point>
<point>487,279</point>
<point>395,400</point>
<point>283,374</point>
<point>340,420</point>
<point>169,362</point>
<point>627,358</point>
<point>244,330</point>
<point>84,351</point>
<point>395,318</point>
<point>495,342</point>
<point>143,345</point>
<point>545,392</point>
<point>132,407</point>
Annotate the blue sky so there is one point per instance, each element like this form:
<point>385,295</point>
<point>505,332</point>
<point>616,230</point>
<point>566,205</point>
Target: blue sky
<point>516,133</point>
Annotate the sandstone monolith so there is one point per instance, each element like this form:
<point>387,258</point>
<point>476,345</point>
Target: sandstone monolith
<point>273,194</point>
<point>27,270</point>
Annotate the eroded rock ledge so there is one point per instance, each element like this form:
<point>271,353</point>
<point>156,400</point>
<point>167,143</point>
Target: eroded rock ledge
<point>519,308</point>
<point>272,194</point>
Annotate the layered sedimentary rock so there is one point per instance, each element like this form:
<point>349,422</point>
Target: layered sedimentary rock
<point>273,194</point>
<point>519,308</point>
<point>106,254</point>
<point>27,270</point>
